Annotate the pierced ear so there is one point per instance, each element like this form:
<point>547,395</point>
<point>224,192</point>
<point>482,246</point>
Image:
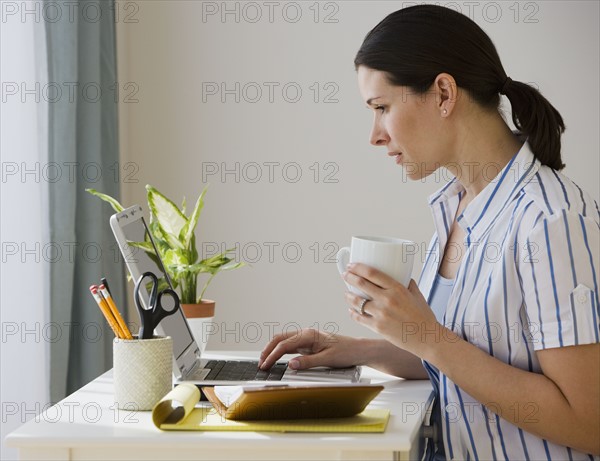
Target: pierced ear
<point>446,89</point>
<point>447,92</point>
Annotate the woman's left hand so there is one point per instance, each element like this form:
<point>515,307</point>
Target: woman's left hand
<point>399,314</point>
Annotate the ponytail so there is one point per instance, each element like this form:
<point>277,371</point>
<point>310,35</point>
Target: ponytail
<point>415,44</point>
<point>534,116</point>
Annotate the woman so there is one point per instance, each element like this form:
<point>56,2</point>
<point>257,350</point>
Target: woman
<point>504,320</point>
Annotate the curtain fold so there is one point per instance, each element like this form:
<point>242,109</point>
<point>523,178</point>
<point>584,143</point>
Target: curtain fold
<point>83,141</point>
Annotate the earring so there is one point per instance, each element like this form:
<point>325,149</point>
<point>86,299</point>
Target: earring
<point>445,112</point>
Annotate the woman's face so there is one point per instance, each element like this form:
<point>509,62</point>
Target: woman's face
<point>407,124</point>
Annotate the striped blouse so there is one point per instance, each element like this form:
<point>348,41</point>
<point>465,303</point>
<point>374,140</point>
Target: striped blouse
<point>528,281</point>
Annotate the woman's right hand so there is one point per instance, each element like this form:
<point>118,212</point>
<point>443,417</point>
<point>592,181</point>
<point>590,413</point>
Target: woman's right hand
<point>316,348</point>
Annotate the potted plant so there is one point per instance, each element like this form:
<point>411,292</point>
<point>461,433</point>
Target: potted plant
<point>173,233</point>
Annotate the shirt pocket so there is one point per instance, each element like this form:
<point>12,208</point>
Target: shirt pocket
<point>585,317</point>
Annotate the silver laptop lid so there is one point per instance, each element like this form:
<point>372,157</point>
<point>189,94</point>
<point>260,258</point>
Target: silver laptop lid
<point>130,226</point>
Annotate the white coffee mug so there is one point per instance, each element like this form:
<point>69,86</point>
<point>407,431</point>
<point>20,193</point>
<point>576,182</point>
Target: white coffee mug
<point>393,256</point>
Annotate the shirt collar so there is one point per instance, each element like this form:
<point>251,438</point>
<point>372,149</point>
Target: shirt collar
<point>485,207</point>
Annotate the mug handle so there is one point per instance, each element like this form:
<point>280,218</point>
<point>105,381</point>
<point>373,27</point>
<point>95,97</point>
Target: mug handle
<point>342,259</point>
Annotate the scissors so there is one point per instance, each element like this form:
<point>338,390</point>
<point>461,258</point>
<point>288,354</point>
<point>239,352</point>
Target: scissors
<point>152,315</point>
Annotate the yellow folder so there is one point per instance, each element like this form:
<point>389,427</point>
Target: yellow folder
<point>177,412</point>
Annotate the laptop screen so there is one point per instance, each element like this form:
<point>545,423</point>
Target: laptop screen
<point>139,262</point>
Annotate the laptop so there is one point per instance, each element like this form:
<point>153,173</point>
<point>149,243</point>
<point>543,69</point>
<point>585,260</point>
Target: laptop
<point>188,364</point>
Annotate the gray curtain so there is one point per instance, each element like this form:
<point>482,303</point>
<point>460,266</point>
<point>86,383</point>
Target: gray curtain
<point>83,143</point>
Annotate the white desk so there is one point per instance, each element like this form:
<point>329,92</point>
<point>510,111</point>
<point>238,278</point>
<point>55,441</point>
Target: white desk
<point>86,425</point>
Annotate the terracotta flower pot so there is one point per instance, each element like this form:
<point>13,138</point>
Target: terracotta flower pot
<point>200,319</point>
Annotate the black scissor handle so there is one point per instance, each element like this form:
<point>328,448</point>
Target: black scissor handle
<point>146,313</point>
<point>152,297</point>
<point>160,312</point>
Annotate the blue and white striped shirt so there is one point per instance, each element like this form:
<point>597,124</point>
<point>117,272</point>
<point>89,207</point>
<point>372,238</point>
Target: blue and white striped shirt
<point>528,281</point>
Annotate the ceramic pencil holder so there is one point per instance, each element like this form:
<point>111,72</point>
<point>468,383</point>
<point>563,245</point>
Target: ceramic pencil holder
<point>142,371</point>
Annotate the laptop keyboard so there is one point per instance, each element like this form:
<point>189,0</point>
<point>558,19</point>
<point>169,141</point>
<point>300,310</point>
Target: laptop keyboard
<point>233,370</point>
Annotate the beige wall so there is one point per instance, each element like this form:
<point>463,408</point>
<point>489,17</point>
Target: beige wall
<point>176,136</point>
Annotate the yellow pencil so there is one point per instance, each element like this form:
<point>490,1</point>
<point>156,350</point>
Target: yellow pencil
<point>103,305</point>
<point>105,293</point>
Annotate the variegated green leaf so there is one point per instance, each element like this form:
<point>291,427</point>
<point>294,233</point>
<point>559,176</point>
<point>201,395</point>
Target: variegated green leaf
<point>216,261</point>
<point>177,257</point>
<point>169,218</point>
<point>107,198</point>
<point>229,267</point>
<point>146,246</point>
<point>183,205</point>
<point>187,233</point>
<point>198,268</point>
<point>162,284</point>
<point>193,251</point>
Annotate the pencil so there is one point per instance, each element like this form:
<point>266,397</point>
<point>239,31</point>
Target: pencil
<point>103,305</point>
<point>111,304</point>
<point>105,283</point>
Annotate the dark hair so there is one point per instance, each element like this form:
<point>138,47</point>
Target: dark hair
<point>415,44</point>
